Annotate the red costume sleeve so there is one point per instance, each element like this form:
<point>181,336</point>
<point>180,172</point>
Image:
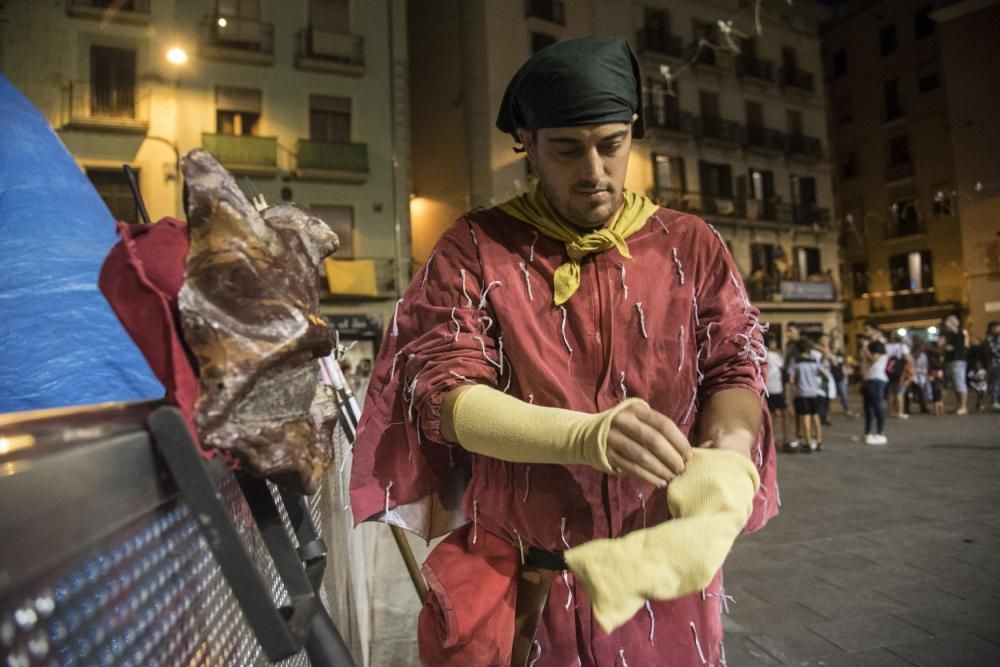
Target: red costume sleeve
<point>441,336</point>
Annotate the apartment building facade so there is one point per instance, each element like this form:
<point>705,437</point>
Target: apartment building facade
<point>302,101</point>
<point>736,138</point>
<point>895,178</point>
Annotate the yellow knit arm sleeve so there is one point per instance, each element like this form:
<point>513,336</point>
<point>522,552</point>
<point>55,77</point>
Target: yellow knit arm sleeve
<point>492,423</point>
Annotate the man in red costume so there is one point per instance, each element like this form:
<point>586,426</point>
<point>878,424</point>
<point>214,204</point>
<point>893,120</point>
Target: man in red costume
<point>572,386</point>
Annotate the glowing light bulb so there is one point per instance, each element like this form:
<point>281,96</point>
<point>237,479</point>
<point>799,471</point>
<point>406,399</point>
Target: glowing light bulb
<point>176,55</point>
<point>222,22</point>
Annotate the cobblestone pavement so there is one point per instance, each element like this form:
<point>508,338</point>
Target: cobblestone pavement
<point>881,556</point>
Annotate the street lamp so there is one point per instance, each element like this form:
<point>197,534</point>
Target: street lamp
<point>176,55</point>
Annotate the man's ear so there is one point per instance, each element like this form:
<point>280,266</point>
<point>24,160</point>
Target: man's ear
<point>527,142</point>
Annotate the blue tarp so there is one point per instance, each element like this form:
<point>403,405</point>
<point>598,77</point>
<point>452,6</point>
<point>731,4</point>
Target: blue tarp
<point>60,343</point>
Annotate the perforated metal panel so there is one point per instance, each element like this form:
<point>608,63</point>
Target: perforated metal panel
<point>151,594</point>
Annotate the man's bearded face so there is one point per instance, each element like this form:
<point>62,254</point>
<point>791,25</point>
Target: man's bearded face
<point>582,169</point>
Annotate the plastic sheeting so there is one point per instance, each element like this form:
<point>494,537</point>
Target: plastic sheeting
<point>60,344</point>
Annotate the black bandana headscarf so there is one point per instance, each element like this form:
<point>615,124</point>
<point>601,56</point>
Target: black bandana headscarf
<point>583,81</point>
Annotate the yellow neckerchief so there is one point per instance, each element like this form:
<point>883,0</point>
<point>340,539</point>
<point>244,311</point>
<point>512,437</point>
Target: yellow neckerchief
<point>534,208</point>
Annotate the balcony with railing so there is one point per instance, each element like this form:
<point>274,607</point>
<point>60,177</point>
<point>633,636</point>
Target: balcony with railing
<point>334,162</point>
<point>552,11</point>
<point>762,209</point>
<point>802,146</point>
<point>659,43</point>
<point>360,278</point>
<point>764,139</point>
<point>116,11</point>
<point>238,39</point>
<point>810,215</point>
<point>120,109</point>
<point>669,120</point>
<point>899,170</point>
<point>771,288</point>
<point>720,131</point>
<point>329,51</point>
<point>244,154</point>
<point>749,67</point>
<point>797,79</point>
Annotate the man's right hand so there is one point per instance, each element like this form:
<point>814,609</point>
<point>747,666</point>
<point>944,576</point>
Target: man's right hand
<point>647,444</point>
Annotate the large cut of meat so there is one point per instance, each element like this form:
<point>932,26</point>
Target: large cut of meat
<point>249,310</point>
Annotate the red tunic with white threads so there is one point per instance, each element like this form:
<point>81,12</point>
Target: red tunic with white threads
<point>672,325</point>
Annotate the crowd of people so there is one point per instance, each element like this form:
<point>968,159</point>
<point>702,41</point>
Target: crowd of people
<point>896,373</point>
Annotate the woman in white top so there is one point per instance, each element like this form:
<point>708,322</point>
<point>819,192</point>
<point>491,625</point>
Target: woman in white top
<point>874,358</point>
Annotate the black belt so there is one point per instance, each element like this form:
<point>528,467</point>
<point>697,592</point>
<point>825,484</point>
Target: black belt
<point>546,560</point>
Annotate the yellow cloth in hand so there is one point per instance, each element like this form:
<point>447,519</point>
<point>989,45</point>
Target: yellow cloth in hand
<point>710,502</point>
<point>492,423</point>
<point>534,208</point>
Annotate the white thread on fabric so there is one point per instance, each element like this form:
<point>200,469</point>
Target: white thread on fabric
<point>454,320</point>
<point>485,329</point>
<point>701,654</point>
<point>482,299</point>
<point>461,377</point>
<point>694,309</point>
<point>520,544</point>
<point>527,280</point>
<point>680,364</point>
<point>475,239</point>
<point>510,377</point>
<point>427,268</point>
<point>722,655</point>
<point>482,346</point>
<point>652,620</point>
<point>642,319</point>
<point>694,399</point>
<point>395,314</point>
<point>535,644</point>
<point>621,385</point>
<point>565,339</point>
<point>387,488</point>
<point>475,520</point>
<point>465,292</point>
<point>708,334</point>
<point>531,399</point>
<point>777,491</point>
<point>621,272</point>
<point>569,589</point>
<point>562,532</point>
<point>527,483</point>
<point>662,226</point>
<point>642,504</point>
<point>531,252</point>
<point>500,351</point>
<point>739,288</point>
<point>392,371</point>
<point>718,235</point>
<point>412,391</point>
<point>677,263</point>
<point>621,656</point>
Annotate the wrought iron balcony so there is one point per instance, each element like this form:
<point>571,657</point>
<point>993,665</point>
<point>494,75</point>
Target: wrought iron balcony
<point>796,78</point>
<point>809,215</point>
<point>340,162</point>
<point>118,11</point>
<point>899,170</point>
<point>238,39</point>
<point>106,108</point>
<point>243,154</point>
<point>755,68</point>
<point>660,43</point>
<point>553,11</point>
<point>712,204</point>
<point>765,138</point>
<point>804,146</point>
<point>670,119</point>
<point>720,130</point>
<point>326,50</point>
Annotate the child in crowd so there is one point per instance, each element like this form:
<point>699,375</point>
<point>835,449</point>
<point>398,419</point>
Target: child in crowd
<point>805,375</point>
<point>874,391</point>
<point>977,381</point>
<point>776,387</point>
